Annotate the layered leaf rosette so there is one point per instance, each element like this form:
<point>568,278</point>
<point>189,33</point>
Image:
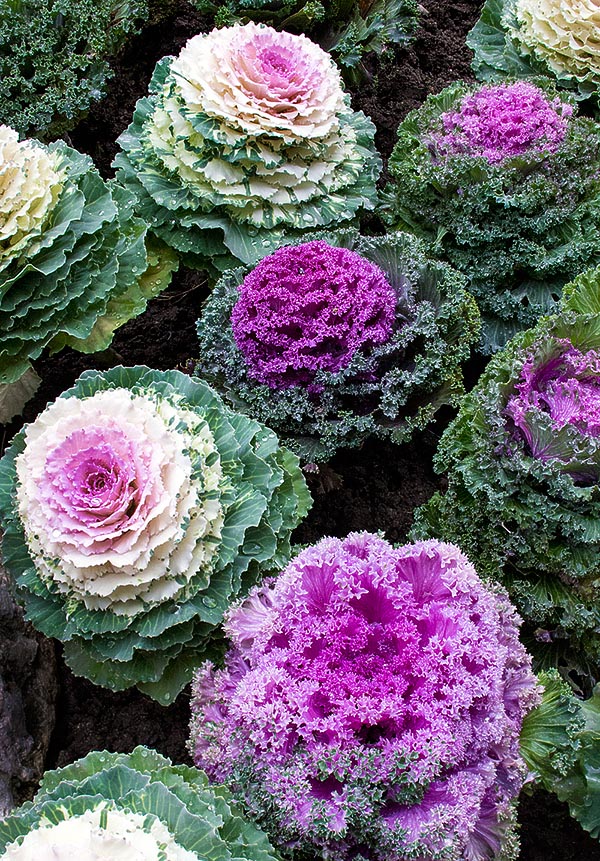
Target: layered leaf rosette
<point>502,182</point>
<point>73,261</point>
<point>135,508</point>
<point>130,807</point>
<point>246,135</point>
<point>332,340</point>
<point>523,463</point>
<point>526,38</point>
<point>370,705</point>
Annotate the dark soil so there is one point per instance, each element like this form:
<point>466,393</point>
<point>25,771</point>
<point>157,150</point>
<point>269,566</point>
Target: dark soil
<point>374,488</point>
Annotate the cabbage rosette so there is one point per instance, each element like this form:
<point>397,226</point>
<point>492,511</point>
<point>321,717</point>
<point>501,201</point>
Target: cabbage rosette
<point>73,261</point>
<point>371,704</point>
<point>135,507</point>
<point>246,136</point>
<point>523,464</point>
<point>527,38</point>
<point>501,181</point>
<point>130,807</point>
<point>333,340</point>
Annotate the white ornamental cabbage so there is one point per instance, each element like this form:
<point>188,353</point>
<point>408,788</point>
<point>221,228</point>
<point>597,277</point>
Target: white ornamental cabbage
<point>30,182</point>
<point>246,135</point>
<point>130,807</point>
<point>135,508</point>
<point>74,264</point>
<point>531,38</point>
<point>565,34</point>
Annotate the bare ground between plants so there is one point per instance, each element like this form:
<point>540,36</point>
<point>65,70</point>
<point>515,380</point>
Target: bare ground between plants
<point>374,488</point>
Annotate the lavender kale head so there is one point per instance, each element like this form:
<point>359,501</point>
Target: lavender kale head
<point>503,182</point>
<point>371,704</point>
<point>523,463</point>
<point>338,338</point>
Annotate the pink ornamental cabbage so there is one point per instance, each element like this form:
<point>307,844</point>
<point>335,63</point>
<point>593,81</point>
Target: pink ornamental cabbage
<point>500,122</point>
<point>310,307</point>
<point>566,388</point>
<point>371,704</point>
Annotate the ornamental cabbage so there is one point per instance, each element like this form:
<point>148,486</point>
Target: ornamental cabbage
<point>502,182</point>
<point>135,507</point>
<point>130,807</point>
<point>73,263</point>
<point>371,704</point>
<point>523,464</point>
<point>527,38</point>
<point>338,338</point>
<point>246,135</point>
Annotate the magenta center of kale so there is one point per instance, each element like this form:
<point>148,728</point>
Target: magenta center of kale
<point>310,308</point>
<point>500,122</point>
<point>566,387</point>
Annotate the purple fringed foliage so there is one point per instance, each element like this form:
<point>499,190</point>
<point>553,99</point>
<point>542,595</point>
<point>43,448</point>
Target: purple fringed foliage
<point>566,388</point>
<point>310,307</point>
<point>372,702</point>
<point>498,122</point>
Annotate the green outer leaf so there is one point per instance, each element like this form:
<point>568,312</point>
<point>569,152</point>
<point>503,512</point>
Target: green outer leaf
<point>51,72</point>
<point>560,742</point>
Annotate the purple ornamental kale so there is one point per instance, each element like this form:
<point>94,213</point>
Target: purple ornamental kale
<point>310,307</point>
<point>566,388</point>
<point>371,703</point>
<point>498,122</point>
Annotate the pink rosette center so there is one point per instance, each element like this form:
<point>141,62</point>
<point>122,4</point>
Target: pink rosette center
<point>97,481</point>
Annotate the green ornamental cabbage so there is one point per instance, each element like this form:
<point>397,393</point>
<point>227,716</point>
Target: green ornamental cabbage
<point>54,58</point>
<point>73,261</point>
<point>340,338</point>
<point>502,181</point>
<point>523,464</point>
<point>135,508</point>
<point>246,136</point>
<point>527,38</point>
<point>130,807</point>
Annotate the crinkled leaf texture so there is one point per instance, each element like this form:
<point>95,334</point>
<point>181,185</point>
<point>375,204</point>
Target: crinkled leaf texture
<point>519,229</point>
<point>263,496</point>
<point>560,744</point>
<point>498,54</point>
<point>85,275</point>
<point>389,390</point>
<point>533,522</point>
<point>54,58</point>
<point>200,818</point>
<point>217,220</point>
